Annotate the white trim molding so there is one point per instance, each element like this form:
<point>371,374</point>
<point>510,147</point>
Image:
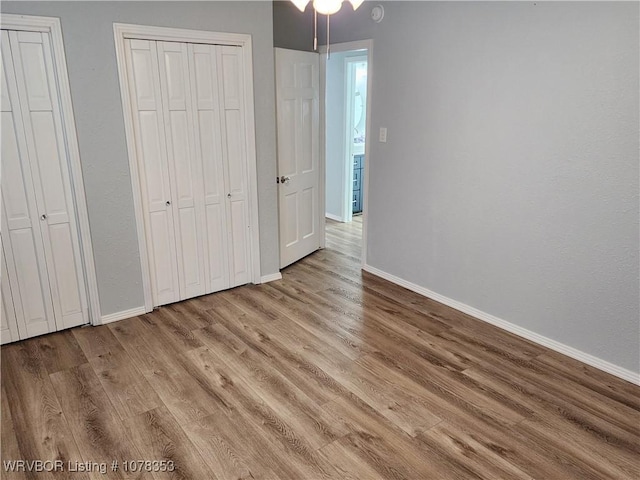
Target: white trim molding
<point>572,352</point>
<point>117,316</point>
<point>331,216</point>
<point>271,278</point>
<point>168,34</point>
<point>29,23</point>
<point>52,26</point>
<point>123,31</point>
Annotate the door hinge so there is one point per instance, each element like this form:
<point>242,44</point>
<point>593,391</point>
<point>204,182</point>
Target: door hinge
<point>277,179</point>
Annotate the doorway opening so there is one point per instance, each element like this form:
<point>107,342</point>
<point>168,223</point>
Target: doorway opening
<point>347,85</point>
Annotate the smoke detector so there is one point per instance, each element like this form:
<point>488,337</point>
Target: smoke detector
<point>377,13</point>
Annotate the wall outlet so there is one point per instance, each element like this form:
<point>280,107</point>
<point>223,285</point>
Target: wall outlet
<point>383,134</point>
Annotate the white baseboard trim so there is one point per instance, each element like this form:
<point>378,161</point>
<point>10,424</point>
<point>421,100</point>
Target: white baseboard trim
<point>114,317</point>
<point>331,216</point>
<point>271,278</point>
<point>579,355</point>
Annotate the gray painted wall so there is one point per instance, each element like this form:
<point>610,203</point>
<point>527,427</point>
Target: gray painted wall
<point>87,28</point>
<point>295,29</point>
<point>510,178</point>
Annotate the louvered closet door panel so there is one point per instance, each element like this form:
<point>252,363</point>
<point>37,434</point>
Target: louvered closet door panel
<point>144,83</point>
<point>185,170</point>
<point>234,155</point>
<point>204,85</point>
<point>37,91</point>
<point>22,241</point>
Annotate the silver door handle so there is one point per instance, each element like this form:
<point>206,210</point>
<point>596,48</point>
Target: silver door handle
<point>43,216</point>
<point>285,180</point>
<point>168,203</point>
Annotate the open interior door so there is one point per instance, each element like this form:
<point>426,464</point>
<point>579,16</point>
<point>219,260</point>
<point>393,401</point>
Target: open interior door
<point>297,103</point>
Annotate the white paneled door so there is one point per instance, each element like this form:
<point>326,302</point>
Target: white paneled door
<point>187,104</point>
<point>144,80</point>
<point>43,287</point>
<point>297,98</point>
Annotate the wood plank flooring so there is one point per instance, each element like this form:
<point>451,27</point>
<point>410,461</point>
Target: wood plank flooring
<point>328,373</point>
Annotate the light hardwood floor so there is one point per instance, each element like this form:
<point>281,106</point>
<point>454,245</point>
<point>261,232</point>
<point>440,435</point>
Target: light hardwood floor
<point>328,373</point>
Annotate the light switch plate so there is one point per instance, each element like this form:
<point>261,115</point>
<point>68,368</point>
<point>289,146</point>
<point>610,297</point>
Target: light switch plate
<point>383,134</point>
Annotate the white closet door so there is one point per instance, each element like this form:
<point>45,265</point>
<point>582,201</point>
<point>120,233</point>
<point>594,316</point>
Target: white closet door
<point>188,106</point>
<point>203,65</point>
<point>38,96</point>
<point>185,172</point>
<point>22,240</point>
<point>8,319</point>
<point>151,149</point>
<point>234,160</point>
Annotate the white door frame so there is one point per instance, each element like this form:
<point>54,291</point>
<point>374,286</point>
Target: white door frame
<point>52,26</point>
<point>124,31</point>
<point>346,47</point>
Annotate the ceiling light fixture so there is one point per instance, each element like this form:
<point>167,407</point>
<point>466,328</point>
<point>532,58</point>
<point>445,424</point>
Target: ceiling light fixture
<point>324,7</point>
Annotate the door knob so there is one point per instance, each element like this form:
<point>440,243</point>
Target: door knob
<point>228,195</point>
<point>43,216</point>
<point>285,180</point>
<point>168,203</point>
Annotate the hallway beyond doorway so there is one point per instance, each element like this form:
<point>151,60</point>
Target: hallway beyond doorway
<point>345,238</point>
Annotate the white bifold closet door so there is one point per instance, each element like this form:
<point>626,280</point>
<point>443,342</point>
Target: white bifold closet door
<point>43,286</point>
<point>189,132</point>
